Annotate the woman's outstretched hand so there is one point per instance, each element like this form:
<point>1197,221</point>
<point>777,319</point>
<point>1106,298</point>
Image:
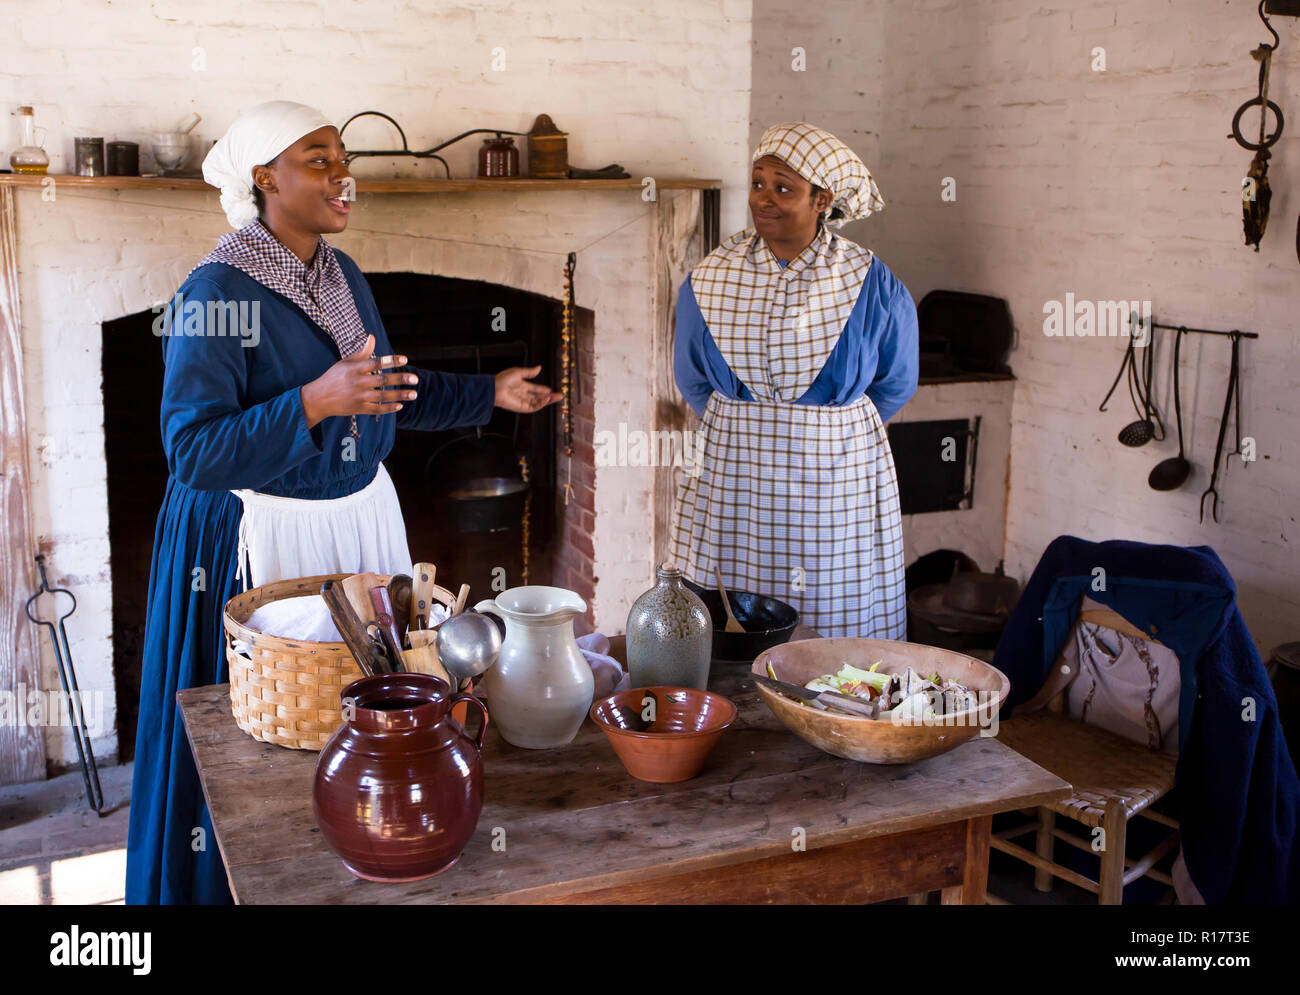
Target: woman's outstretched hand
<point>353,386</point>
<point>516,393</point>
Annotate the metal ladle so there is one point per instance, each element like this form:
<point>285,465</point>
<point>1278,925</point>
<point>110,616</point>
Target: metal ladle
<point>1170,474</point>
<point>1142,431</point>
<point>468,644</point>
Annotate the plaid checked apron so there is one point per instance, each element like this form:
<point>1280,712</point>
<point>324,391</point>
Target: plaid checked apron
<point>795,501</point>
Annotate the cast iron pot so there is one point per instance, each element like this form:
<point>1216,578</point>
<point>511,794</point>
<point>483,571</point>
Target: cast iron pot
<point>477,484</point>
<point>767,621</point>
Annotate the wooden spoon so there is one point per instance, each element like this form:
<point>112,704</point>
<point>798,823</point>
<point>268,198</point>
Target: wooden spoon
<point>461,597</point>
<point>424,660</point>
<point>422,657</point>
<point>357,588</point>
<point>732,624</point>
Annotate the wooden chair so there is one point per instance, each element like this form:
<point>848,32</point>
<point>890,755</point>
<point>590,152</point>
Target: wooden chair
<point>1114,780</point>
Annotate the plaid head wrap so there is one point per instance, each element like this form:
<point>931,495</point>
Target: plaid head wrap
<point>824,161</point>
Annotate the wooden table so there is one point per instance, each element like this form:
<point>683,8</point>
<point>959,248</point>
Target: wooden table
<point>770,819</point>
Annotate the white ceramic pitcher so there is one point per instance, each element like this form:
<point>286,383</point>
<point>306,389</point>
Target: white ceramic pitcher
<point>541,686</point>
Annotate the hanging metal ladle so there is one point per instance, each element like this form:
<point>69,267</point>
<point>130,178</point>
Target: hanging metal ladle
<point>1142,431</point>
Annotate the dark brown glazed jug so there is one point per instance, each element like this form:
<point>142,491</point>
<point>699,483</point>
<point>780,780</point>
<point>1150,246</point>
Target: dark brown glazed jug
<point>399,786</point>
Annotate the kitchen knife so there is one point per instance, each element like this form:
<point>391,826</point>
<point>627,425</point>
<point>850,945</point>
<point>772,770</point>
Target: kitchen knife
<point>385,649</point>
<point>422,594</point>
<point>399,595</point>
<point>830,699</point>
<point>384,613</point>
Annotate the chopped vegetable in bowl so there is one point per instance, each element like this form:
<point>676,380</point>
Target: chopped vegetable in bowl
<point>909,696</point>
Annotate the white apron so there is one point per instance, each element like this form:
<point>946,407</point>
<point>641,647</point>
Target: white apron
<point>282,538</point>
<point>794,501</point>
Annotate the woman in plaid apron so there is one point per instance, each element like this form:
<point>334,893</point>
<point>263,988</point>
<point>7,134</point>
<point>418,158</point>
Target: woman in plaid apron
<point>795,345</point>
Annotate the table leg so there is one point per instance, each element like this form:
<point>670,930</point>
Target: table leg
<point>975,870</point>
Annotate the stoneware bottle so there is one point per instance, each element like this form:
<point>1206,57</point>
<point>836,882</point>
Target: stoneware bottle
<point>541,686</point>
<point>399,786</point>
<point>669,635</point>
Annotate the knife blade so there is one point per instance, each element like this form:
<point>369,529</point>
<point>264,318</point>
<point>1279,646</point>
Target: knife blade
<point>385,615</point>
<point>830,699</point>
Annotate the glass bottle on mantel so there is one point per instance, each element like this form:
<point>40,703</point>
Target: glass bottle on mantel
<point>28,157</point>
<point>669,635</point>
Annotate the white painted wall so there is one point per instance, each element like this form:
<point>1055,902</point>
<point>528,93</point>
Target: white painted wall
<point>1114,184</point>
<point>662,90</point>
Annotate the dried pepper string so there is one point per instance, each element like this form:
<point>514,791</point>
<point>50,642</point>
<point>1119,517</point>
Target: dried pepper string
<point>525,521</point>
<point>567,346</point>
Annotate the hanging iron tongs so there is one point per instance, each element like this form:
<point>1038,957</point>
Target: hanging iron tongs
<point>1255,192</point>
<point>68,678</point>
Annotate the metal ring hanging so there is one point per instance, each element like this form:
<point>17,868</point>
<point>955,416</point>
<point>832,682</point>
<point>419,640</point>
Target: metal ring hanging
<point>1269,140</point>
<point>1264,54</point>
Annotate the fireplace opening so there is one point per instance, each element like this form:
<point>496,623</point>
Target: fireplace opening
<point>440,323</point>
<point>132,371</point>
<point>469,326</point>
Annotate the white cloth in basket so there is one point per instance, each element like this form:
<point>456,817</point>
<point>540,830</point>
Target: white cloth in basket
<point>307,618</point>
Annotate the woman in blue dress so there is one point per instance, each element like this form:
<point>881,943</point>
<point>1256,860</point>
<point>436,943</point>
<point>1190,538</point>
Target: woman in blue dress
<point>280,399</point>
<point>795,345</point>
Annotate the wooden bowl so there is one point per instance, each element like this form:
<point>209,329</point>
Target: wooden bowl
<point>688,724</point>
<point>880,741</point>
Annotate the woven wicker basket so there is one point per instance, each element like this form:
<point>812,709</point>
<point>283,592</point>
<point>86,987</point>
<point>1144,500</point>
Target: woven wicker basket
<point>288,694</point>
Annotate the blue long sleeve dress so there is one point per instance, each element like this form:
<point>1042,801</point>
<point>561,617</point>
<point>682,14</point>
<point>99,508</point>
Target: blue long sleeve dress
<point>232,418</point>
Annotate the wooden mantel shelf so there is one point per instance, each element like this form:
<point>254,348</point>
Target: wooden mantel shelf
<point>512,184</point>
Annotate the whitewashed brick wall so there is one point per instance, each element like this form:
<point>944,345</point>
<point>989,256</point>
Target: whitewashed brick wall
<point>1114,184</point>
<point>662,90</point>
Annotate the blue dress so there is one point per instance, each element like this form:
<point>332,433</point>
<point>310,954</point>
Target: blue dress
<point>232,418</point>
<point>876,354</point>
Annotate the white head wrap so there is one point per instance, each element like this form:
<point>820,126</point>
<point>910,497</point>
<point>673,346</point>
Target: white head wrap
<point>824,161</point>
<point>257,136</point>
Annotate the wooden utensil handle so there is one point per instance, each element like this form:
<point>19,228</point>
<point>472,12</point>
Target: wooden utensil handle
<point>349,626</point>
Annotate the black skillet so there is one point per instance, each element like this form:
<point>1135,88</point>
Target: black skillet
<point>767,622</point>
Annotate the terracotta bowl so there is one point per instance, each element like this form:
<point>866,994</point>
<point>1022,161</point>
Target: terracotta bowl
<point>880,741</point>
<point>688,724</point>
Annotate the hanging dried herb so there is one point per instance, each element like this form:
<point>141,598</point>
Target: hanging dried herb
<point>1254,210</point>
